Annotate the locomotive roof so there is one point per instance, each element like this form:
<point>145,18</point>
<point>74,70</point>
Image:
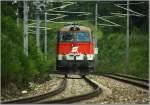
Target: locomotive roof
<point>82,28</point>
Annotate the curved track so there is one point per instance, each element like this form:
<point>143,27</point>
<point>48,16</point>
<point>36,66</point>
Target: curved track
<point>33,99</point>
<point>96,91</point>
<point>40,98</point>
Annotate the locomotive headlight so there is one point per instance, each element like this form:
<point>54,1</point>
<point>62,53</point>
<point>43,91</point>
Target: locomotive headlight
<point>85,57</point>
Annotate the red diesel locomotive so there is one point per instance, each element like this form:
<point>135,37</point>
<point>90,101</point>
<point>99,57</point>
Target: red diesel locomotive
<point>75,49</point>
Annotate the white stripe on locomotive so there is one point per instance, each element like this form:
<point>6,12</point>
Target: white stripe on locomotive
<point>78,57</point>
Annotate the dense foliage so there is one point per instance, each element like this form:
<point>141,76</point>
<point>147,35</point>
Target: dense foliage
<point>112,57</point>
<point>18,68</point>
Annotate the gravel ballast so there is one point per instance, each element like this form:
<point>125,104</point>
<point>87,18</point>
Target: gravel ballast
<point>118,92</point>
<point>74,87</point>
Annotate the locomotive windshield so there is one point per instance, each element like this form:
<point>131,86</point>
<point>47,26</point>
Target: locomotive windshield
<point>66,37</point>
<point>82,37</point>
<point>75,36</point>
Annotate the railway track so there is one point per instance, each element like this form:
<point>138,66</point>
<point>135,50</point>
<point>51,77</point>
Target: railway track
<point>96,91</point>
<point>40,99</point>
<point>129,79</point>
<point>45,98</point>
<point>33,99</point>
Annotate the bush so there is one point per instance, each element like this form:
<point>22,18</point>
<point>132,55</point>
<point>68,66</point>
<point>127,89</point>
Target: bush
<point>16,67</point>
<point>112,53</point>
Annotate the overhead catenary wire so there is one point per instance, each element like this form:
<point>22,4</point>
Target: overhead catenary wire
<point>108,25</point>
<point>112,23</point>
<point>84,14</point>
<point>112,16</point>
<point>61,7</point>
<point>39,27</point>
<point>61,22</point>
<point>31,24</point>
<point>59,17</point>
<point>62,16</point>
<point>120,14</point>
<point>31,31</point>
<point>53,14</point>
<point>130,10</point>
<point>67,22</point>
<point>132,3</point>
<point>70,12</point>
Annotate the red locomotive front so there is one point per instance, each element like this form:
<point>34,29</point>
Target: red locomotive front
<point>75,49</point>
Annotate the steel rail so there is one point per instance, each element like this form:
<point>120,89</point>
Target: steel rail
<point>97,90</point>
<point>32,99</point>
<point>129,79</point>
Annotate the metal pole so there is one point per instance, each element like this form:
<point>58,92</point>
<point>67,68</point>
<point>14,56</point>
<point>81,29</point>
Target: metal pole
<point>96,11</point>
<point>45,40</point>
<point>25,36</point>
<point>37,27</point>
<point>127,38</point>
<point>17,14</point>
<point>149,45</point>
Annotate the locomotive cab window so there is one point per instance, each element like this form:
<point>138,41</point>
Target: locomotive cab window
<point>82,37</point>
<point>66,37</point>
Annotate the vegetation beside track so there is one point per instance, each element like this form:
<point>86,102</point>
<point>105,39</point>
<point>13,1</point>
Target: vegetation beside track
<point>16,67</point>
